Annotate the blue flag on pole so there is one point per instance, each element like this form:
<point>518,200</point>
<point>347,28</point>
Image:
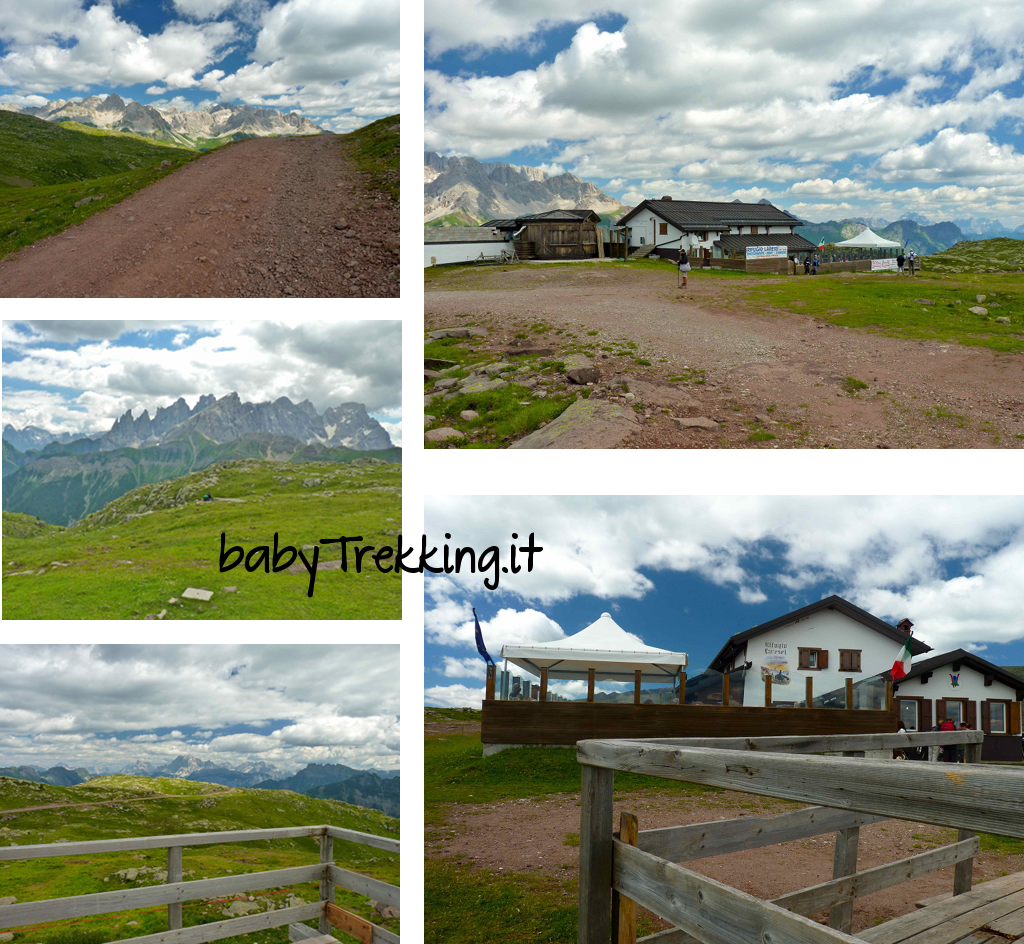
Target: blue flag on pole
<point>480,647</point>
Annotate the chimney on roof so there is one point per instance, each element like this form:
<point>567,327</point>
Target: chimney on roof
<point>905,625</point>
<point>667,197</point>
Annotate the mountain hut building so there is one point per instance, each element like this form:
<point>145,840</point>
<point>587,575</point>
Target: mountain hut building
<point>553,234</point>
<point>723,232</point>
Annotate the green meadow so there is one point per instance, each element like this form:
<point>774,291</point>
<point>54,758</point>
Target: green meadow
<point>48,167</point>
<point>889,304</point>
<point>130,559</point>
<point>375,148</point>
<point>130,808</point>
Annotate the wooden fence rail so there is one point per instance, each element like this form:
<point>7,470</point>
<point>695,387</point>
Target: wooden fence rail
<point>174,892</point>
<point>641,866</point>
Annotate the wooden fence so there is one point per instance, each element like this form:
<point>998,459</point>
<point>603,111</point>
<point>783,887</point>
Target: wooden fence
<point>566,722</point>
<point>639,867</point>
<point>175,891</point>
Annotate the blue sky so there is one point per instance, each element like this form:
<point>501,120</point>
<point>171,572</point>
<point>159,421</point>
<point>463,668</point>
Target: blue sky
<point>104,707</point>
<point>873,109</point>
<point>79,376</point>
<point>335,63</point>
<point>686,573</point>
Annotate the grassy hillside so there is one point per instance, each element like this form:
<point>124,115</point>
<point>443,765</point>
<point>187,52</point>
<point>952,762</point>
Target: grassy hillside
<point>130,559</point>
<point>37,152</point>
<point>191,807</point>
<point>64,483</point>
<point>985,255</point>
<point>47,167</point>
<point>376,149</point>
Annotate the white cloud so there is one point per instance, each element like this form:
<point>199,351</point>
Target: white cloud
<point>327,362</point>
<point>888,555</point>
<point>99,705</point>
<point>336,61</point>
<point>454,696</point>
<point>742,90</point>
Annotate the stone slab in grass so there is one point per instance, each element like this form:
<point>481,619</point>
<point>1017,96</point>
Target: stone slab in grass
<point>585,424</point>
<point>192,593</point>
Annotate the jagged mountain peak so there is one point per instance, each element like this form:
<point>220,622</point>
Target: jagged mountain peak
<point>228,418</point>
<point>476,191</point>
<point>222,120</point>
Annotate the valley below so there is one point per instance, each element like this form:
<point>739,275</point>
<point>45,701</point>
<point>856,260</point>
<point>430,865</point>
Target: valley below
<point>260,218</point>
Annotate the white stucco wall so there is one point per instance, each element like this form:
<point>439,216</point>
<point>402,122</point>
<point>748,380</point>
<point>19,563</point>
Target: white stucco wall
<point>444,253</point>
<point>826,629</point>
<point>970,685</point>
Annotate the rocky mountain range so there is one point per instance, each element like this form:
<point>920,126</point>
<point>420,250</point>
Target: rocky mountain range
<point>63,482</point>
<point>462,191</point>
<point>220,421</point>
<point>112,113</point>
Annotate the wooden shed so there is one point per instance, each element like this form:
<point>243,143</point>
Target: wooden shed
<point>555,234</point>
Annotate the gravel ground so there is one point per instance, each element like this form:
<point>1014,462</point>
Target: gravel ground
<point>786,368</point>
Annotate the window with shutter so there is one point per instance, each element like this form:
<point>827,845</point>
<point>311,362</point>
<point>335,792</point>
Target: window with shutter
<point>663,229</point>
<point>804,659</point>
<point>849,660</point>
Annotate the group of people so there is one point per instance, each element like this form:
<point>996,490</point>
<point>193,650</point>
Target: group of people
<point>811,263</point>
<point>948,753</point>
<point>909,260</point>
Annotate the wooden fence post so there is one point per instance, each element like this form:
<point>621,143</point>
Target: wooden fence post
<point>489,693</point>
<point>844,863</point>
<point>963,876</point>
<point>544,683</point>
<point>326,885</point>
<point>810,692</point>
<point>768,692</point>
<point>888,696</point>
<point>590,684</point>
<point>682,688</point>
<point>173,877</point>
<point>725,688</point>
<point>595,903</point>
<point>636,686</point>
<point>623,908</point>
<point>849,694</point>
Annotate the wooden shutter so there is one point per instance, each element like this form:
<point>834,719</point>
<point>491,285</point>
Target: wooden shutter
<point>804,659</point>
<point>986,717</point>
<point>1015,708</point>
<point>663,229</point>
<point>822,658</point>
<point>972,714</point>
<point>940,710</point>
<point>856,660</point>
<point>925,721</point>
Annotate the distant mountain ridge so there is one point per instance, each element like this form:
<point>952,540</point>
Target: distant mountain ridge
<point>186,767</point>
<point>57,776</point>
<point>462,191</point>
<point>222,420</point>
<point>379,790</point>
<point>465,191</point>
<point>61,486</point>
<point>171,124</point>
<point>923,239</point>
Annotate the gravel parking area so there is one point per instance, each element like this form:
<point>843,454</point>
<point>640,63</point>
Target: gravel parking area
<point>766,378</point>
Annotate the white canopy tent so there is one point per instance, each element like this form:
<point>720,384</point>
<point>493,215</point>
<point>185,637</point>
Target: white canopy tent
<point>868,240</point>
<point>871,242</point>
<point>604,646</point>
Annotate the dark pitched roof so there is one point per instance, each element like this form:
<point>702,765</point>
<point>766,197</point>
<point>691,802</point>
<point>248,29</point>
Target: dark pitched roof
<point>964,657</point>
<point>791,241</point>
<point>833,602</point>
<point>547,216</point>
<point>436,235</point>
<point>707,214</point>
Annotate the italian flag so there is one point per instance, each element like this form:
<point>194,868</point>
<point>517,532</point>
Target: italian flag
<point>902,664</point>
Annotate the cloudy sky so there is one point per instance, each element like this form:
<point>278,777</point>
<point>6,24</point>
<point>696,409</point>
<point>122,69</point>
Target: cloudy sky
<point>104,707</point>
<point>684,574</point>
<point>830,110</point>
<point>79,376</point>
<point>334,62</point>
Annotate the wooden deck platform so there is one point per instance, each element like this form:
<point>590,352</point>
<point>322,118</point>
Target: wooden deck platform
<point>990,913</point>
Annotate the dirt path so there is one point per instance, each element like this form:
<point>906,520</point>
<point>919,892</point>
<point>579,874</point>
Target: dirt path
<point>264,218</point>
<point>529,835</point>
<point>786,368</point>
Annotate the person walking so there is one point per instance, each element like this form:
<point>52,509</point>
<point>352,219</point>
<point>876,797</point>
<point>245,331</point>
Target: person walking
<point>912,260</point>
<point>900,260</point>
<point>684,266</point>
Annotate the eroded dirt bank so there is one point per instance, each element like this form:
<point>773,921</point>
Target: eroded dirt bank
<point>264,218</point>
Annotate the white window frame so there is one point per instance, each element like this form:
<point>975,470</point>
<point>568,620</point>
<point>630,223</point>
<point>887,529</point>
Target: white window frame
<point>917,713</point>
<point>1005,726</point>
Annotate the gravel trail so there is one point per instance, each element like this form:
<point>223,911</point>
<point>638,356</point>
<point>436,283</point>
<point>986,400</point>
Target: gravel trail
<point>263,218</point>
<point>787,368</point>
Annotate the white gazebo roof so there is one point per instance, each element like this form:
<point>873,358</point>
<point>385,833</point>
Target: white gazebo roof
<point>603,646</point>
<point>869,240</point>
